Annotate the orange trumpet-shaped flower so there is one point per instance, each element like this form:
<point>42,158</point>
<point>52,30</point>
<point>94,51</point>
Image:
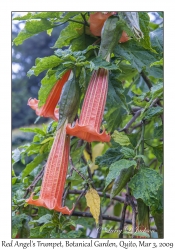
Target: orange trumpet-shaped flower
<point>55,175</point>
<point>91,115</point>
<point>48,109</point>
<point>97,21</point>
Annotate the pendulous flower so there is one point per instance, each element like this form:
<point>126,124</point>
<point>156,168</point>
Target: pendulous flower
<point>88,127</point>
<point>49,108</point>
<point>52,187</point>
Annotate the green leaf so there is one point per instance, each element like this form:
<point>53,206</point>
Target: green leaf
<point>158,131</point>
<point>110,35</point>
<point>17,221</point>
<point>16,156</point>
<point>157,41</point>
<point>39,15</point>
<point>157,91</point>
<point>82,222</point>
<point>99,62</point>
<point>145,185</point>
<point>127,152</point>
<point>37,160</point>
<point>31,28</point>
<point>138,56</point>
<point>69,101</point>
<point>111,155</point>
<point>72,31</point>
<point>36,233</point>
<point>81,42</point>
<point>116,93</point>
<point>116,104</point>
<point>158,152</point>
<point>160,62</point>
<point>152,112</point>
<point>68,15</point>
<point>159,218</point>
<point>144,25</point>
<point>46,140</point>
<point>43,64</point>
<point>76,153</point>
<point>33,130</point>
<point>71,235</point>
<point>43,219</point>
<point>142,234</point>
<point>116,168</point>
<point>127,72</point>
<point>121,138</point>
<point>121,180</point>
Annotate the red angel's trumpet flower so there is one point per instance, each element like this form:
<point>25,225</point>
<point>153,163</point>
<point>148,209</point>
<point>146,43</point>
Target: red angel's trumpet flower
<point>48,109</point>
<point>91,115</point>
<point>55,175</point>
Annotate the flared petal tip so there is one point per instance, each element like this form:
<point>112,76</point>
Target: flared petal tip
<point>64,210</point>
<point>42,203</point>
<point>87,133</point>
<point>39,202</point>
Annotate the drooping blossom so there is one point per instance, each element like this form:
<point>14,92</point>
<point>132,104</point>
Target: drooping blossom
<point>49,108</point>
<point>88,126</point>
<point>53,183</point>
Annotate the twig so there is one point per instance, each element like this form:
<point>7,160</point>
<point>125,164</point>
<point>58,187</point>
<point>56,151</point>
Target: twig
<point>35,181</point>
<point>79,197</point>
<point>76,170</point>
<point>131,121</point>
<point>66,191</point>
<point>100,224</point>
<point>152,161</point>
<point>122,221</point>
<point>84,18</point>
<point>104,217</point>
<point>131,201</point>
<point>101,194</point>
<point>146,79</point>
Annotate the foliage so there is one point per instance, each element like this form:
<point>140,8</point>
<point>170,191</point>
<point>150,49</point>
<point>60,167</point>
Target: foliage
<point>130,166</point>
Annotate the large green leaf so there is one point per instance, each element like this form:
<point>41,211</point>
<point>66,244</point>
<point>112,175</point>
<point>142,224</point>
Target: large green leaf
<point>116,168</point>
<point>31,28</point>
<point>127,152</point>
<point>121,180</point>
<point>145,185</point>
<point>72,31</point>
<point>33,130</point>
<point>44,64</point>
<point>121,138</point>
<point>37,160</point>
<point>116,104</point>
<point>144,25</point>
<point>69,101</point>
<point>138,56</point>
<point>158,152</point>
<point>110,156</point>
<point>157,41</point>
<point>39,15</point>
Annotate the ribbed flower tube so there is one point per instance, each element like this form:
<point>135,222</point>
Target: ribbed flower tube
<point>49,108</point>
<point>55,175</point>
<point>88,127</point>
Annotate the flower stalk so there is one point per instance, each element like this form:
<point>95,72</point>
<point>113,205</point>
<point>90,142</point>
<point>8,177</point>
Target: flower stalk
<point>55,175</point>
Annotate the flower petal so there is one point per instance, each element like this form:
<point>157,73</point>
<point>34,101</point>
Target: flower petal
<point>87,133</point>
